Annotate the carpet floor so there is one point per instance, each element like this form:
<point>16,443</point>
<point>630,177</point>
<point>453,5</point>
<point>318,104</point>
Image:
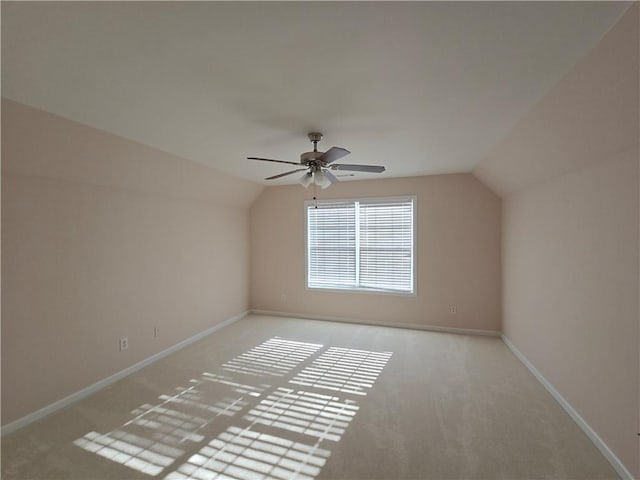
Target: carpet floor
<point>270,397</point>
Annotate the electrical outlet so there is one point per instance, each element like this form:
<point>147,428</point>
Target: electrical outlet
<point>453,309</point>
<point>124,344</point>
<point>283,297</point>
<point>156,331</point>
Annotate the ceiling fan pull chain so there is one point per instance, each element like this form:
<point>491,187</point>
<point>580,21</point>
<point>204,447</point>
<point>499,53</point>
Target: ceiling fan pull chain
<point>315,200</point>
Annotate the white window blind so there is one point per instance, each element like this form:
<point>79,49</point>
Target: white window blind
<point>361,245</point>
<point>331,242</point>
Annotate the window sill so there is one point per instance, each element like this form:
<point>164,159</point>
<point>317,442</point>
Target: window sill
<point>367,291</point>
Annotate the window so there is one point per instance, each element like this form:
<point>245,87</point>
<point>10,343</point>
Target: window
<point>361,244</point>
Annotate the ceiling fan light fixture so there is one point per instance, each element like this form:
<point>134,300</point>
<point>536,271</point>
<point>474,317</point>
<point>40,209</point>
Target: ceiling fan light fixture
<point>306,179</point>
<point>321,179</point>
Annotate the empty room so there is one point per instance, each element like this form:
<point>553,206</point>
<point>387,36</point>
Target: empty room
<point>320,240</point>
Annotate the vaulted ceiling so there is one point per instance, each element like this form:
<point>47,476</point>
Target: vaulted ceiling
<point>421,88</point>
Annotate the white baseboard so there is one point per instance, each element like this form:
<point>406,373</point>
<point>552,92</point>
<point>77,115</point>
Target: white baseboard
<point>586,428</point>
<point>413,326</point>
<point>85,392</point>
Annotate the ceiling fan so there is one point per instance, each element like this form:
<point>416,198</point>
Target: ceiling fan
<point>318,164</point>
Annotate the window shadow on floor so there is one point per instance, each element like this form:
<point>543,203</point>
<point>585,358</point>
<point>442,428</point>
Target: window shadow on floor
<point>273,412</point>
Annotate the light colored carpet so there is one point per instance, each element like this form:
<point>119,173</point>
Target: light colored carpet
<point>289,398</point>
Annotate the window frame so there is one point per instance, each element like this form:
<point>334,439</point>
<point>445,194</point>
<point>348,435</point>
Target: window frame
<point>369,291</point>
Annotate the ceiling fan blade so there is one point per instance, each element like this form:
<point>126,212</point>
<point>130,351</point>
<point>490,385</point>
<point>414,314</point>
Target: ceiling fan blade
<point>285,174</point>
<point>358,168</point>
<point>332,178</point>
<point>333,154</point>
<point>270,160</point>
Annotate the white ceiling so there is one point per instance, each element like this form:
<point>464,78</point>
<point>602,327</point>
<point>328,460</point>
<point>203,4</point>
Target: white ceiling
<point>421,88</point>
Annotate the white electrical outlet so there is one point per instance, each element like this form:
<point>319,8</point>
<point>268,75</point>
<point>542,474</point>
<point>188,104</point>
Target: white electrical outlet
<point>453,309</point>
<point>156,331</point>
<point>283,297</point>
<point>124,344</point>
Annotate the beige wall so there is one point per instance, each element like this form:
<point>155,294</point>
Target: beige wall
<point>105,238</point>
<point>571,239</point>
<point>458,254</point>
<point>571,292</point>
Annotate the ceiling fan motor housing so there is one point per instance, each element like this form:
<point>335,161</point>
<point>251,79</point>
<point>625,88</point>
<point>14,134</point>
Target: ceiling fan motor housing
<point>307,157</point>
